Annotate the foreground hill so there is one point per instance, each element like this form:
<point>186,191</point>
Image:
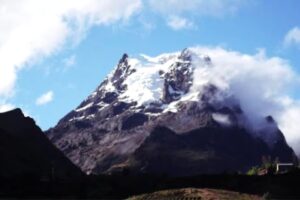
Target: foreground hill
<point>26,152</point>
<point>164,115</point>
<point>195,193</point>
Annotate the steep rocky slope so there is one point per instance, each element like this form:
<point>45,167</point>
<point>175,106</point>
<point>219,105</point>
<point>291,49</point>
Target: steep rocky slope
<point>152,115</point>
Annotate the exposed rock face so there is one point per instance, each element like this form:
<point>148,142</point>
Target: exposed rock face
<point>179,78</point>
<point>147,117</point>
<point>26,151</point>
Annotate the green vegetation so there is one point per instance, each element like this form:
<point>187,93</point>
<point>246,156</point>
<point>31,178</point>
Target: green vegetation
<point>267,167</point>
<point>253,171</point>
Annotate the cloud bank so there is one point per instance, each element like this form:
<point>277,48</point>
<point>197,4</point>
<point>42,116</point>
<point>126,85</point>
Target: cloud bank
<point>263,85</point>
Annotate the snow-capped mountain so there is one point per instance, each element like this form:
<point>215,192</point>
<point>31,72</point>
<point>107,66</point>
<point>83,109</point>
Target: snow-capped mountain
<point>166,114</point>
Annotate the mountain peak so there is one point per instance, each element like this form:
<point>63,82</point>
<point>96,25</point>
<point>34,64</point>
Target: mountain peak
<point>113,125</point>
<point>123,58</point>
<point>187,54</point>
<point>16,120</point>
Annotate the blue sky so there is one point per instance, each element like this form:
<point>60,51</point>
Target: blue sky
<point>65,55</point>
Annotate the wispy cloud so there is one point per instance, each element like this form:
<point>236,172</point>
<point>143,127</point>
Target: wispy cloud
<point>45,98</point>
<point>178,8</point>
<point>179,23</point>
<point>292,37</point>
<point>201,7</point>
<point>69,62</point>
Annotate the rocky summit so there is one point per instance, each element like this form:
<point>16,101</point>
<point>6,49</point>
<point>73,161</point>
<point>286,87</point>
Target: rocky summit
<point>164,115</point>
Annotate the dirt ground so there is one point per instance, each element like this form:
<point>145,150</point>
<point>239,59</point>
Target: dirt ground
<point>196,194</point>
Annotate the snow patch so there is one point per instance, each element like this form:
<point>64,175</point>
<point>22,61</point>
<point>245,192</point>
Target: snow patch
<point>146,84</point>
<point>92,95</point>
<point>222,119</point>
<point>109,87</point>
<point>161,59</point>
<point>84,107</point>
<point>77,118</point>
<point>90,116</point>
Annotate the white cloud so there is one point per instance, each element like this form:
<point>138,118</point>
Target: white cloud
<point>264,86</point>
<point>289,124</point>
<point>45,98</point>
<point>292,37</point>
<point>178,23</point>
<point>34,29</point>
<point>6,107</point>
